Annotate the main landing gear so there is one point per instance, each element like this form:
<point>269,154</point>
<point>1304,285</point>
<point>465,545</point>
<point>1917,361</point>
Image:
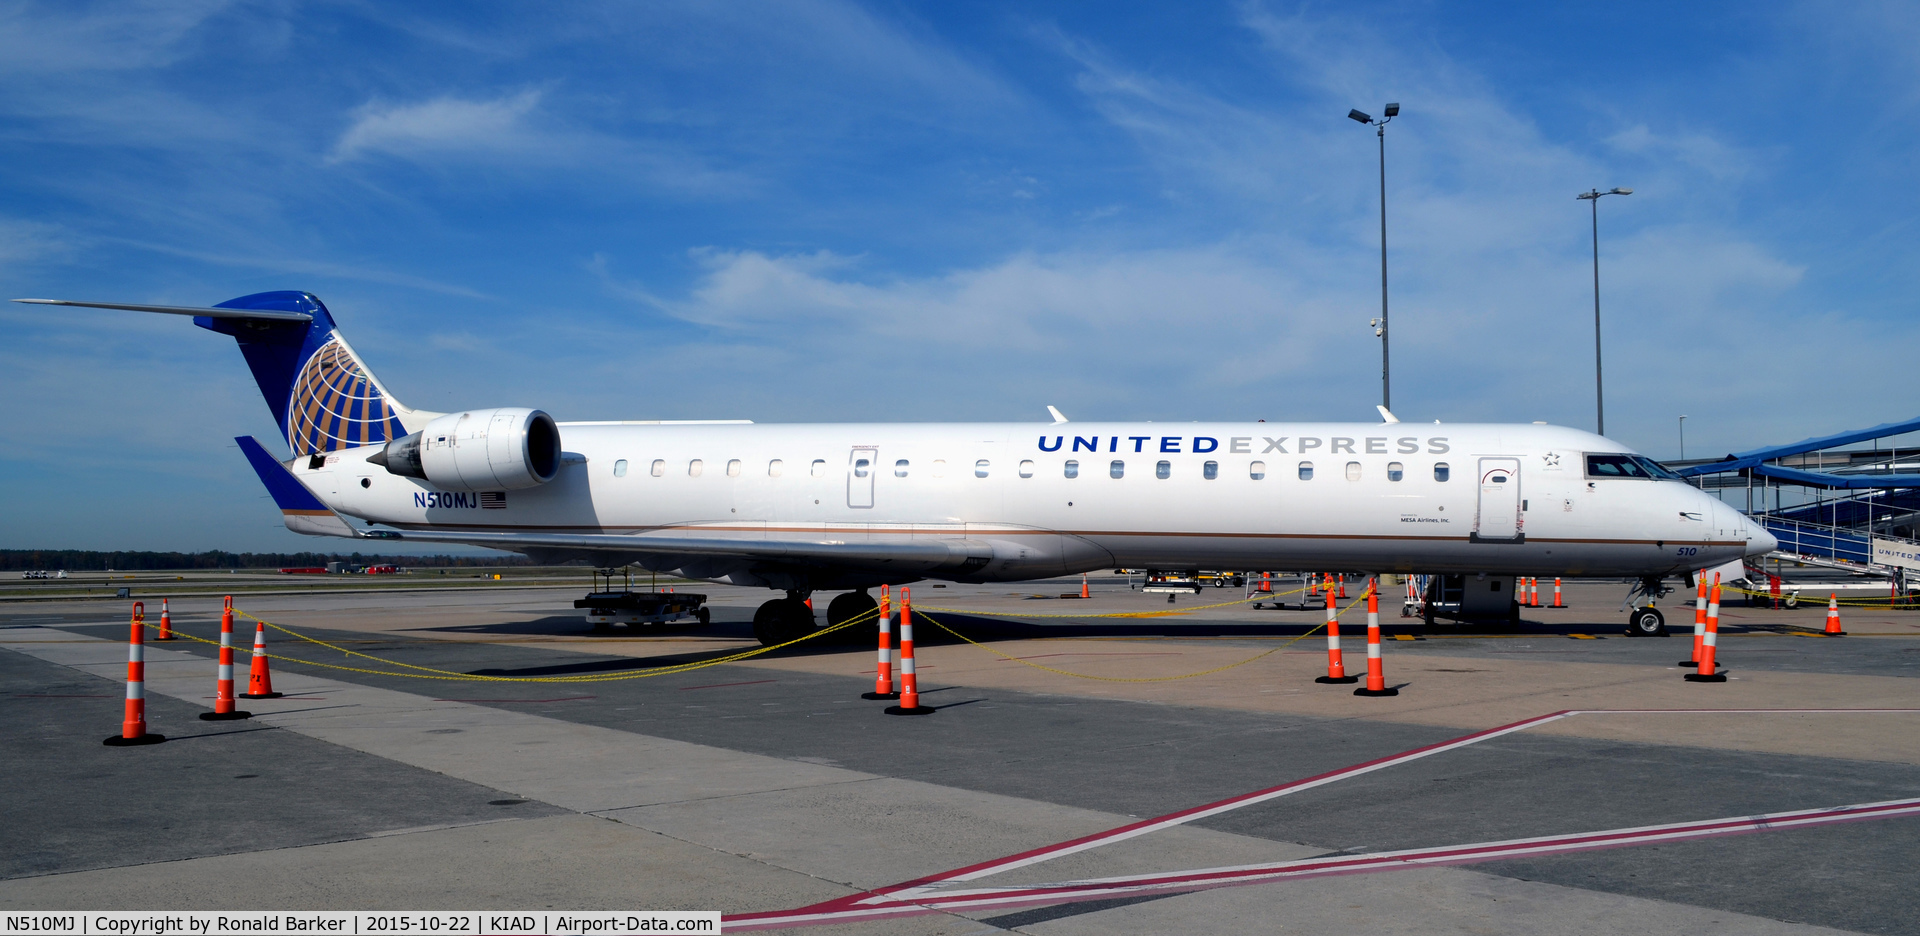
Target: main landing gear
<point>783,619</point>
<point>1643,619</point>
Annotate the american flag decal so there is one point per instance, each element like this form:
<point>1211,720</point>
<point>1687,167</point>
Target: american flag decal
<point>493,500</point>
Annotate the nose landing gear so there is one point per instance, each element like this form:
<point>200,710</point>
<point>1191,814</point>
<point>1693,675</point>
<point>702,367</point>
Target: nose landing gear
<point>1643,619</point>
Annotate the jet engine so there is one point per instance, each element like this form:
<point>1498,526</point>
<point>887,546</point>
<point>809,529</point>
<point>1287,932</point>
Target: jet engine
<point>501,449</point>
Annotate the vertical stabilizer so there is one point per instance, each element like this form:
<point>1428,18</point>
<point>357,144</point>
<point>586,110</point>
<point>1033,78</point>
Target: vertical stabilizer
<point>322,395</point>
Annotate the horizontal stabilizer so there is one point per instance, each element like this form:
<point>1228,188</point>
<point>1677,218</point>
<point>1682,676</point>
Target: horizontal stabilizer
<point>299,508</point>
<point>259,315</point>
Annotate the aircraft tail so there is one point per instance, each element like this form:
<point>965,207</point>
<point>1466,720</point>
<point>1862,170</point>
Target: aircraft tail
<point>323,397</point>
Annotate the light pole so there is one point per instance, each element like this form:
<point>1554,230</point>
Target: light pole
<point>1683,438</point>
<point>1593,197</point>
<point>1380,328</point>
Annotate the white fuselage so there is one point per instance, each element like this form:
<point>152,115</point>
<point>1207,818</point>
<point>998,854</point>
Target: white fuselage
<point>1512,499</point>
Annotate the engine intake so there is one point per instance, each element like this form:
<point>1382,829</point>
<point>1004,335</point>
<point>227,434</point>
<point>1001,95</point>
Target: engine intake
<point>501,449</point>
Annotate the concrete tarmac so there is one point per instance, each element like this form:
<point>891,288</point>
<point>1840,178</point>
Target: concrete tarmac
<point>767,784</point>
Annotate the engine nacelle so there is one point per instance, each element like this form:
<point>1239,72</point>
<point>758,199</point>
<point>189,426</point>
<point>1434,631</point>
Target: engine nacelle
<point>501,449</point>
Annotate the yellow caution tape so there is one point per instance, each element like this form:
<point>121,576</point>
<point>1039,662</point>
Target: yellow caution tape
<point>428,672</point>
<point>1136,679</point>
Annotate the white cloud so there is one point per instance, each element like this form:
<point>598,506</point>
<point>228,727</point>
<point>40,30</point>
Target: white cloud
<point>439,126</point>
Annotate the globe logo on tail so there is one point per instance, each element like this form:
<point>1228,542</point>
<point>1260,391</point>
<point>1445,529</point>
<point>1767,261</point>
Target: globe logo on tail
<point>336,405</point>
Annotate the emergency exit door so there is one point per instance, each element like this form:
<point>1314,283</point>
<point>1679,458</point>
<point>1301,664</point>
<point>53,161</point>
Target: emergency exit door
<point>1499,517</point>
<point>861,466</point>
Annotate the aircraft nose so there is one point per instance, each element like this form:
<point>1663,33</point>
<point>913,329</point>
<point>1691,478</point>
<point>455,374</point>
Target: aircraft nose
<point>1759,541</point>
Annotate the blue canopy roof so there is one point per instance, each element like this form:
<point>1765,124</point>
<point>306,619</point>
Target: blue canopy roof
<point>1757,458</point>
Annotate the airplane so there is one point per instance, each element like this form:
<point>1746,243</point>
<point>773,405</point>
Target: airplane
<point>805,508</point>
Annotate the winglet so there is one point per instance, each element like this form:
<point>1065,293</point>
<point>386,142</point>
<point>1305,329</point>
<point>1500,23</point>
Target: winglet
<point>1385,416</point>
<point>299,508</point>
<point>1058,417</point>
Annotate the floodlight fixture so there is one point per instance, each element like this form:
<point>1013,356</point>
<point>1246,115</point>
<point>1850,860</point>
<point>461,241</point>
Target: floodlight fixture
<point>1621,191</point>
<point>1363,118</point>
<point>1393,110</point>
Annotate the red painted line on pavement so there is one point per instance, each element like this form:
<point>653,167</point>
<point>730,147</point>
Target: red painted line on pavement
<point>907,898</point>
<point>1211,878</point>
<point>751,682</point>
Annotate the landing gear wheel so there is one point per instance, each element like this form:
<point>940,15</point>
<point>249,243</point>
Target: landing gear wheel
<point>851,605</point>
<point>1646,622</point>
<point>782,620</point>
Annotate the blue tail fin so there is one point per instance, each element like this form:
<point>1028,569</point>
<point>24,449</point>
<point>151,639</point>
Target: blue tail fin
<point>322,396</point>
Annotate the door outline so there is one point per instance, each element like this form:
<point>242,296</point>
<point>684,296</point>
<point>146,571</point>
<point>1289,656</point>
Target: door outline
<point>1499,477</point>
<point>860,486</point>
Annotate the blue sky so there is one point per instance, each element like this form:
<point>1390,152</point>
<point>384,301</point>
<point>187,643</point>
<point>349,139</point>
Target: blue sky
<point>830,211</point>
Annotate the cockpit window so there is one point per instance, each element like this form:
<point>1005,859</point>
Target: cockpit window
<point>1627,466</point>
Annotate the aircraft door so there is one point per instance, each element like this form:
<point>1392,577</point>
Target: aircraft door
<point>1499,518</point>
<point>862,464</point>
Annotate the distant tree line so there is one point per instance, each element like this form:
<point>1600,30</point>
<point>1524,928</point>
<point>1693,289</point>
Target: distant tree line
<point>86,560</point>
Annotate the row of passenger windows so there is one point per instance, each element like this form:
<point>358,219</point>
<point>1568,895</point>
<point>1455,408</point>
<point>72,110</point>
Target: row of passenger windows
<point>1117,468</point>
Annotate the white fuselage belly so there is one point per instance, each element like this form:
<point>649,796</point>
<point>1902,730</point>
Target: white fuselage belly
<point>1546,518</point>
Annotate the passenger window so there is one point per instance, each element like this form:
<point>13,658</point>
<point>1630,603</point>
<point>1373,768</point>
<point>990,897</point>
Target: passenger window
<point>1306,471</point>
<point>1026,469</point>
<point>1163,470</point>
<point>733,467</point>
<point>695,467</point>
<point>1353,471</point>
<point>980,468</point>
<point>860,466</point>
<point>819,467</point>
<point>939,467</point>
<point>1117,470</point>
<point>1073,468</point>
<point>620,468</point>
<point>659,467</point>
<point>900,468</point>
<point>1210,470</point>
<point>775,467</point>
<point>1440,471</point>
<point>1257,470</point>
<point>1396,471</point>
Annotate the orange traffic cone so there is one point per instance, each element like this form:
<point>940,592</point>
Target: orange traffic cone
<point>1336,664</point>
<point>1266,583</point>
<point>1708,671</point>
<point>883,663</point>
<point>133,726</point>
<point>223,708</point>
<point>1376,668</point>
<point>259,681</point>
<point>166,623</point>
<point>1556,593</point>
<point>909,681</point>
<point>1084,593</point>
<point>1833,616</point>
